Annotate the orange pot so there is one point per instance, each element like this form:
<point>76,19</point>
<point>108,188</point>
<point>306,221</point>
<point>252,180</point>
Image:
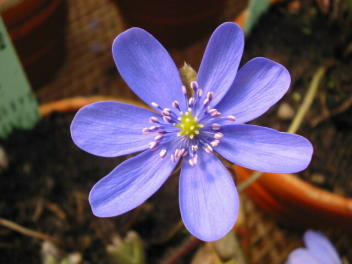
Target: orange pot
<point>296,201</point>
<point>36,28</point>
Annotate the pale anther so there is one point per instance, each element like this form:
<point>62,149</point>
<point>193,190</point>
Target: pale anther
<point>146,130</point>
<point>163,153</point>
<point>158,137</point>
<point>200,92</point>
<point>207,148</point>
<point>176,105</point>
<point>155,105</point>
<point>215,142</point>
<point>215,126</point>
<point>194,85</point>
<point>153,119</point>
<point>167,118</point>
<point>231,118</point>
<point>210,96</point>
<point>166,111</point>
<point>218,135</point>
<point>153,145</point>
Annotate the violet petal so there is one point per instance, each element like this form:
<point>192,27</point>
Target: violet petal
<point>111,129</point>
<point>265,149</point>
<point>147,68</point>
<point>208,198</point>
<point>259,84</point>
<point>130,184</point>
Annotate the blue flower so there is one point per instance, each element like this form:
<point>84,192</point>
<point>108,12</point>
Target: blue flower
<point>190,131</point>
<point>319,250</point>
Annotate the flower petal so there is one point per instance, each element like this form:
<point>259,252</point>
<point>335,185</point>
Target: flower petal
<point>321,247</point>
<point>259,84</point>
<point>111,129</point>
<point>208,198</point>
<point>265,149</point>
<point>301,256</point>
<point>130,184</point>
<point>147,68</point>
<point>221,59</point>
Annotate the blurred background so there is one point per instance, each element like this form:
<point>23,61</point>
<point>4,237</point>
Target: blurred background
<point>55,57</point>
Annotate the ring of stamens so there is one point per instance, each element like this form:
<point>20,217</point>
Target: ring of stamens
<point>193,133</point>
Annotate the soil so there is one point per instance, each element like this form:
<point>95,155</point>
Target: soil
<point>47,182</point>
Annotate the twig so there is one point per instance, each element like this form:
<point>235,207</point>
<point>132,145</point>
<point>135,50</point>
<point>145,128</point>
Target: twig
<point>25,231</point>
<point>340,109</point>
<point>296,122</point>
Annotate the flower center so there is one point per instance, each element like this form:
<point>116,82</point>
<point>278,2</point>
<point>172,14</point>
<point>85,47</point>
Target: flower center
<point>188,125</point>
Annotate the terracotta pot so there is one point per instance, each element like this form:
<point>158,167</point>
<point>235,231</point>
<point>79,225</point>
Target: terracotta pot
<point>175,23</point>
<point>36,28</point>
<point>298,202</point>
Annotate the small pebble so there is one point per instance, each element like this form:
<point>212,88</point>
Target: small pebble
<point>285,112</point>
<point>318,178</point>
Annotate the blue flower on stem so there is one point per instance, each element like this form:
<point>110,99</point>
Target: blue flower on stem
<point>190,131</point>
<point>319,250</point>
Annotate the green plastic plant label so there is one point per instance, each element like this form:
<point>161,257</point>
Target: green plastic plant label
<point>18,106</point>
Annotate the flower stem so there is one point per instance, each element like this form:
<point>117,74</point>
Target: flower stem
<point>308,99</point>
<point>297,120</point>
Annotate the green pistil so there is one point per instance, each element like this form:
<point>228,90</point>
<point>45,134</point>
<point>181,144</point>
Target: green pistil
<point>188,125</point>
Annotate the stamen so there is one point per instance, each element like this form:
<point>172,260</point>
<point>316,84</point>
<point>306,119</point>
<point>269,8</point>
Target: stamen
<point>181,152</point>
<point>156,105</point>
<point>176,105</point>
<point>194,86</point>
<point>158,138</point>
<point>191,101</point>
<point>193,161</point>
<point>162,153</point>
<point>166,111</point>
<point>231,118</point>
<point>153,119</point>
<point>210,96</point>
<point>146,131</point>
<point>167,118</point>
<point>200,92</point>
<point>218,135</point>
<point>153,145</point>
<point>215,143</point>
<point>153,128</point>
<point>214,113</point>
<point>194,147</point>
<point>215,126</point>
<point>207,148</point>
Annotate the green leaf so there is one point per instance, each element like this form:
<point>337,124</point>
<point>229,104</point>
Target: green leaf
<point>256,8</point>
